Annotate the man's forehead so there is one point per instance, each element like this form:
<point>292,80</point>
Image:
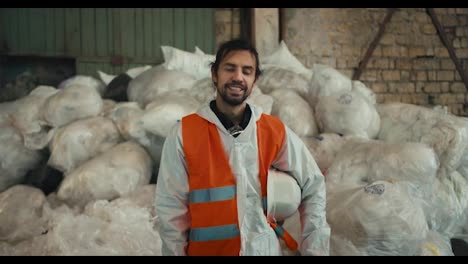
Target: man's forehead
<point>249,66</point>
<point>241,58</point>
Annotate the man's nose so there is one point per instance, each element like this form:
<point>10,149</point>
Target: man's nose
<point>237,75</point>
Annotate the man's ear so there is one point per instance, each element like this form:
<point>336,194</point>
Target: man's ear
<point>214,78</point>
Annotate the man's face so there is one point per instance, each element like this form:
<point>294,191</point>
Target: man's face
<point>235,77</point>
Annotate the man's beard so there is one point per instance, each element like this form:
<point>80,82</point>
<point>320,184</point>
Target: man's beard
<point>231,100</point>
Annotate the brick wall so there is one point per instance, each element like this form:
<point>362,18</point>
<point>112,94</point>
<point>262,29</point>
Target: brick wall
<point>227,25</point>
<point>409,65</point>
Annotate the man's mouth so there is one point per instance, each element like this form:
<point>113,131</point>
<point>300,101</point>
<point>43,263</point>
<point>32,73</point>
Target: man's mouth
<point>236,87</point>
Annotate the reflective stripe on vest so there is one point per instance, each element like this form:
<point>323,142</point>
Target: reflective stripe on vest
<point>212,199</point>
<point>213,194</point>
<point>214,233</point>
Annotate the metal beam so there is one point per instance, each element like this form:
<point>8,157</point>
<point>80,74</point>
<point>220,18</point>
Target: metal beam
<point>373,45</point>
<point>448,45</point>
<point>282,24</point>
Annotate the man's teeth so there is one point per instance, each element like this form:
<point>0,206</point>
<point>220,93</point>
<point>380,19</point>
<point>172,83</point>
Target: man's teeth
<point>235,87</point>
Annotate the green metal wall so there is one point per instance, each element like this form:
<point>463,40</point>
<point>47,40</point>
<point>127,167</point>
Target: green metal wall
<point>96,36</point>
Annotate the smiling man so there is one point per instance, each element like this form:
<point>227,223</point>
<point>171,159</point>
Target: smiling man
<point>212,184</point>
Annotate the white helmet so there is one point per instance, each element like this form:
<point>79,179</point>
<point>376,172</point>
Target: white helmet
<point>283,195</point>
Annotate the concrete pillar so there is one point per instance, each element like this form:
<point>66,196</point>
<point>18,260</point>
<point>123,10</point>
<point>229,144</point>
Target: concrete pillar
<point>266,30</point>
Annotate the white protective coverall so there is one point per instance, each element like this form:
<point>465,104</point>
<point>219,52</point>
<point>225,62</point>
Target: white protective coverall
<point>257,237</point>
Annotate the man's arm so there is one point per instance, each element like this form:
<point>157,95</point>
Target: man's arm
<point>171,198</point>
<point>295,159</point>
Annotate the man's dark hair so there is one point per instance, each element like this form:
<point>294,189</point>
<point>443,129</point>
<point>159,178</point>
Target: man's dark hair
<point>234,45</point>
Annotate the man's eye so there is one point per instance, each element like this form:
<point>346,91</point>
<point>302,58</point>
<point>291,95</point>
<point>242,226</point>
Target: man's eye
<point>247,72</point>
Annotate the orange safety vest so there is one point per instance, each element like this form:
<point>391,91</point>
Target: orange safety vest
<point>214,226</point>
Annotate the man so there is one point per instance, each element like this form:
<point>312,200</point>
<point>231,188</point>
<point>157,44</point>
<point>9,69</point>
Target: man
<point>211,190</point>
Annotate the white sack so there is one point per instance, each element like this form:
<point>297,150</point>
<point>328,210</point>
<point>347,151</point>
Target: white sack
<point>25,115</point>
<point>15,159</point>
<point>106,78</point>
<point>80,141</point>
<point>326,81</point>
<point>197,65</point>
<point>127,116</point>
<point>147,86</point>
<point>165,111</point>
<point>74,102</point>
<point>134,72</point>
<point>294,111</point>
<point>107,106</point>
<point>446,210</point>
<point>203,90</point>
<point>103,229</point>
<point>282,57</point>
<point>436,245</point>
<point>22,213</point>
<point>447,135</point>
<point>380,219</point>
<point>274,78</point>
<point>361,89</point>
<point>89,81</point>
<point>117,172</point>
<point>347,113</point>
<point>263,101</point>
<point>324,148</point>
<point>24,112</point>
<point>362,162</point>
<point>142,197</point>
